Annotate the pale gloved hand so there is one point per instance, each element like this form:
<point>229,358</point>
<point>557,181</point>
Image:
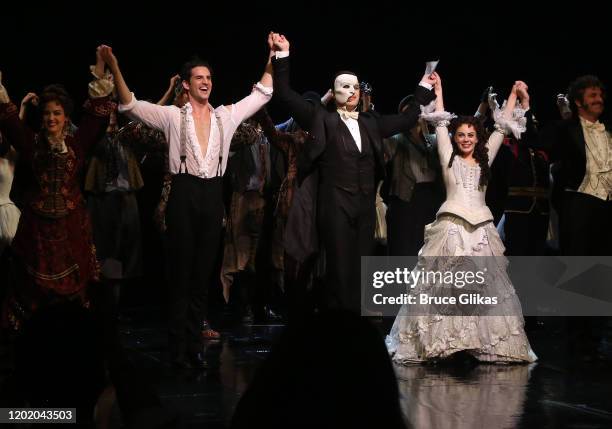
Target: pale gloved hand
<point>492,100</point>
<point>4,98</point>
<point>328,96</point>
<point>562,100</point>
<point>484,98</point>
<point>30,97</point>
<point>564,106</point>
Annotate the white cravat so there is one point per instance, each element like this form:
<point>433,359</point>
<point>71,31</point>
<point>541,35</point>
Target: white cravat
<point>353,127</point>
<point>345,114</point>
<point>598,176</point>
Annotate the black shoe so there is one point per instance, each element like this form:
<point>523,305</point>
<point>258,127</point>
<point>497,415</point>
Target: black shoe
<point>266,316</point>
<point>272,316</point>
<point>193,360</point>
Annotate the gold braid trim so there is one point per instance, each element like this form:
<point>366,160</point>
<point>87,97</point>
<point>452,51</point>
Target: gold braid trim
<point>101,107</point>
<point>58,276</point>
<point>8,111</point>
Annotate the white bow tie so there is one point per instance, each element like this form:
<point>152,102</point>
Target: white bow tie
<point>595,126</point>
<point>345,114</point>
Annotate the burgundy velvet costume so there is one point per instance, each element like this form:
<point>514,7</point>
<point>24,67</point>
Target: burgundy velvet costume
<point>53,243</point>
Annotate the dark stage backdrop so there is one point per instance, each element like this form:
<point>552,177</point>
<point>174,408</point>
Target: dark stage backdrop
<point>384,44</point>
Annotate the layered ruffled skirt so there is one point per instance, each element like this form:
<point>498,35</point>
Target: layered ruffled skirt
<point>430,334</point>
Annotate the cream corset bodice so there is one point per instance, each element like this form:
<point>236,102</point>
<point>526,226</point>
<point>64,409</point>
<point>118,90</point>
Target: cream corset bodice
<point>463,196</point>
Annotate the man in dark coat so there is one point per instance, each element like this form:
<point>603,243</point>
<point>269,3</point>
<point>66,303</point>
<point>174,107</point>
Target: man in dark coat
<point>346,153</point>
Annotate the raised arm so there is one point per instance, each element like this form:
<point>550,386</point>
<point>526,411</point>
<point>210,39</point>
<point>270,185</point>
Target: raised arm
<point>170,91</point>
<point>327,97</point>
<point>123,92</point>
<point>530,137</point>
<point>403,122</point>
<point>266,79</point>
<point>30,98</point>
<point>151,114</point>
<point>564,107</point>
<point>445,147</point>
<point>97,109</point>
<point>512,98</point>
<point>483,107</point>
<point>437,87</point>
<point>506,123</point>
<point>301,110</point>
<point>13,129</point>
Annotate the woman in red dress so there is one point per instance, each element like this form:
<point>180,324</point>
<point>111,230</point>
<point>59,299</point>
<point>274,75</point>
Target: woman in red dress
<point>53,247</point>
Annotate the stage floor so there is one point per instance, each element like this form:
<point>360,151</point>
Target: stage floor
<point>559,391</point>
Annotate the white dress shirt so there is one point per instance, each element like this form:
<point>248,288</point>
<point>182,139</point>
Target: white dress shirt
<point>168,120</point>
<point>597,180</point>
<point>353,127</point>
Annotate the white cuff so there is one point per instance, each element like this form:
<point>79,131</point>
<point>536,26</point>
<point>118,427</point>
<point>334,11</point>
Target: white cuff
<point>265,90</point>
<point>102,86</point>
<point>107,74</point>
<point>516,125</point>
<point>281,54</point>
<point>125,107</point>
<point>440,119</point>
<point>424,84</point>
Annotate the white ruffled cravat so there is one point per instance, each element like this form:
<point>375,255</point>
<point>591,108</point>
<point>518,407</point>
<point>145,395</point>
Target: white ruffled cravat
<point>595,126</point>
<point>345,114</point>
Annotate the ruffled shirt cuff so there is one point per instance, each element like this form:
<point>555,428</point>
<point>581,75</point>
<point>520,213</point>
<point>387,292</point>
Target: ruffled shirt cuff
<point>439,119</point>
<point>516,124</point>
<point>102,86</point>
<point>129,106</point>
<point>265,90</point>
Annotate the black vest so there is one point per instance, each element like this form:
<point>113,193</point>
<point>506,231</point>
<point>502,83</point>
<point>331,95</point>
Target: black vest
<point>344,166</point>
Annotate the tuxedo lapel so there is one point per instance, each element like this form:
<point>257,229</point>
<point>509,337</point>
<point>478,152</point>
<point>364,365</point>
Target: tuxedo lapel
<point>344,135</point>
<point>369,125</point>
<point>577,137</point>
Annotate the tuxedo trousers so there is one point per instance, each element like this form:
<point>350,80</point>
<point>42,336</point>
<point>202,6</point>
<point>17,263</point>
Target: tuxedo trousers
<point>346,223</point>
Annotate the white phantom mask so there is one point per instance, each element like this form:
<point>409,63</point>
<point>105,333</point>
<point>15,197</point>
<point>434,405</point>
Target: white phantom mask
<point>345,86</point>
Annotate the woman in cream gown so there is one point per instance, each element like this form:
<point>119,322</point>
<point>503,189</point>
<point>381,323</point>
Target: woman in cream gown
<point>464,229</point>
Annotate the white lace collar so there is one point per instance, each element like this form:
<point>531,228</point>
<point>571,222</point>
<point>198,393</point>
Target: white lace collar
<point>192,138</point>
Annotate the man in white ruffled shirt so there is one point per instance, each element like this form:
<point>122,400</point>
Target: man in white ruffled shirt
<point>582,147</point>
<point>198,137</point>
